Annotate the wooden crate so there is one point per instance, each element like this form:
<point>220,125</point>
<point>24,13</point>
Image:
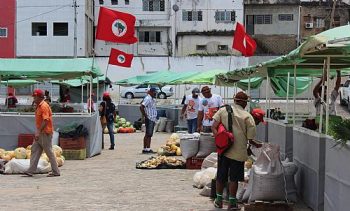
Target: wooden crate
<point>194,163</point>
<point>72,143</point>
<point>74,154</point>
<point>25,140</point>
<point>268,206</point>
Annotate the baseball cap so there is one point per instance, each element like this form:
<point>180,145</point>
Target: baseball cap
<point>241,96</point>
<point>152,89</point>
<point>195,91</point>
<point>105,94</point>
<point>38,93</point>
<point>259,114</point>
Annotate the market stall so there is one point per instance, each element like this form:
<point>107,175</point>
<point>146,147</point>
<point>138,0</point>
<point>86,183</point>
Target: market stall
<point>20,121</point>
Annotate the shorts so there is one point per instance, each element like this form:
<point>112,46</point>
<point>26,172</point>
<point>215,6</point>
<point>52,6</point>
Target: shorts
<point>149,127</point>
<point>229,168</point>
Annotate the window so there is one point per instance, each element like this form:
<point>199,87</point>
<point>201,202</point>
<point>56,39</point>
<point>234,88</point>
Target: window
<point>192,15</point>
<point>101,2</point>
<point>60,29</point>
<point>153,5</point>
<point>263,19</point>
<point>222,47</point>
<point>346,84</point>
<point>39,29</point>
<point>127,2</point>
<point>3,32</point>
<point>114,2</point>
<point>149,36</point>
<point>225,16</point>
<point>319,23</point>
<point>201,47</point>
<point>285,17</point>
<point>142,86</point>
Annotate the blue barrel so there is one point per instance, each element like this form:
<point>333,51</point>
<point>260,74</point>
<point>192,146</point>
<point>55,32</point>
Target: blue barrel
<point>161,113</point>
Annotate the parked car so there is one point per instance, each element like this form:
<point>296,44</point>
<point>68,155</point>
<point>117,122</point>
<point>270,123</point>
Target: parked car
<point>140,91</point>
<point>344,93</point>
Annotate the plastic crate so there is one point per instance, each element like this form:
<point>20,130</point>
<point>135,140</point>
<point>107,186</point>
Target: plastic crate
<point>71,154</point>
<point>194,163</point>
<point>25,140</point>
<point>72,143</point>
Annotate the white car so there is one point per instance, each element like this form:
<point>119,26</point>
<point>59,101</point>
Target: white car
<point>344,93</point>
<point>140,91</point>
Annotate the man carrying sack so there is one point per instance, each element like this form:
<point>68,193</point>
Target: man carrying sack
<point>231,162</point>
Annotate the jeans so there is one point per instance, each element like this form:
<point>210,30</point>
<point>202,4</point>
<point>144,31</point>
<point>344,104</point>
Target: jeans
<point>192,125</point>
<point>110,126</point>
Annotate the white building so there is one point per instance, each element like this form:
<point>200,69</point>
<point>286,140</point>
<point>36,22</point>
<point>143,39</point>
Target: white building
<point>45,28</point>
<point>205,26</point>
<point>153,27</point>
<point>176,27</point>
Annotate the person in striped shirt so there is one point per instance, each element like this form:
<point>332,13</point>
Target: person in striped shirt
<point>149,113</point>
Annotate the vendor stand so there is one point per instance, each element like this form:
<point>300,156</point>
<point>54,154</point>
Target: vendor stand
<point>15,122</point>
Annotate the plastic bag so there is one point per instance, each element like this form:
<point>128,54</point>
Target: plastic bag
<point>19,166</point>
<point>189,147</point>
<point>210,161</point>
<point>203,178</point>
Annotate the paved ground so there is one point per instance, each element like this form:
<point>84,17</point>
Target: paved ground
<point>108,181</point>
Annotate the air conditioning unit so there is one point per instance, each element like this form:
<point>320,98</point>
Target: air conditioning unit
<point>309,25</point>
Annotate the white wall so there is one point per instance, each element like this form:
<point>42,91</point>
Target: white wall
<point>49,11</point>
<point>187,44</point>
<point>142,65</point>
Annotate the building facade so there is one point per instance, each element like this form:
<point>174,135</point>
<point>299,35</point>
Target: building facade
<point>316,17</point>
<point>273,25</point>
<point>7,28</point>
<point>205,27</point>
<point>47,28</point>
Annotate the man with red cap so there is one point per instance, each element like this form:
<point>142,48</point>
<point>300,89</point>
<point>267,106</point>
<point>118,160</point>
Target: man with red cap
<point>231,163</point>
<point>43,135</point>
<point>11,101</point>
<point>107,109</point>
<point>258,115</point>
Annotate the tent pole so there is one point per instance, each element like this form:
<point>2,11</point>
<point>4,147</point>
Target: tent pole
<point>322,97</point>
<point>294,92</point>
<point>82,91</point>
<point>91,87</point>
<point>7,95</point>
<point>106,77</point>
<point>328,93</point>
<point>266,92</point>
<point>97,88</point>
<point>249,93</point>
<point>119,95</point>
<point>287,96</point>
<point>268,98</point>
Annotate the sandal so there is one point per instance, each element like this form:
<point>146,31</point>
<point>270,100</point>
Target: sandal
<point>217,203</point>
<point>53,175</point>
<point>28,174</point>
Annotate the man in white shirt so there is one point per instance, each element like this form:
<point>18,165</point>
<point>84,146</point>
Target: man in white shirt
<point>208,106</point>
<point>149,112</point>
<point>319,102</point>
<point>191,106</point>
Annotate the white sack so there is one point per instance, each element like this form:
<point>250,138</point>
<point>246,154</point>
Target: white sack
<point>19,166</point>
<point>210,161</point>
<point>189,147</point>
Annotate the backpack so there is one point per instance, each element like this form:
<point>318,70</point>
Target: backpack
<point>224,138</point>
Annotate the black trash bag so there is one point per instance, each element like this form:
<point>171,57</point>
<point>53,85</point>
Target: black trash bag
<point>79,131</point>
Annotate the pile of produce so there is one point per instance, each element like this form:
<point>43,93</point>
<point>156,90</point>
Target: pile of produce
<point>172,146</point>
<point>122,126</point>
<point>25,153</point>
<point>161,162</point>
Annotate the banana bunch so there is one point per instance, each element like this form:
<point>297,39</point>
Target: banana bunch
<point>153,162</point>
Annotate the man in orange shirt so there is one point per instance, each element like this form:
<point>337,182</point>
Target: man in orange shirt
<point>43,135</point>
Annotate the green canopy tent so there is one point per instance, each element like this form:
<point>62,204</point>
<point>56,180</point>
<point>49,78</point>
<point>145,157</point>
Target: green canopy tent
<point>18,83</point>
<point>48,69</point>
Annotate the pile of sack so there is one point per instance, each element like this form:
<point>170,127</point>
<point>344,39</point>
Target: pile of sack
<point>197,145</point>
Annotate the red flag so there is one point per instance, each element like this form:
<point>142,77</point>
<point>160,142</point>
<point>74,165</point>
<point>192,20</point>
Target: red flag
<point>116,26</point>
<point>120,58</point>
<point>243,42</point>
